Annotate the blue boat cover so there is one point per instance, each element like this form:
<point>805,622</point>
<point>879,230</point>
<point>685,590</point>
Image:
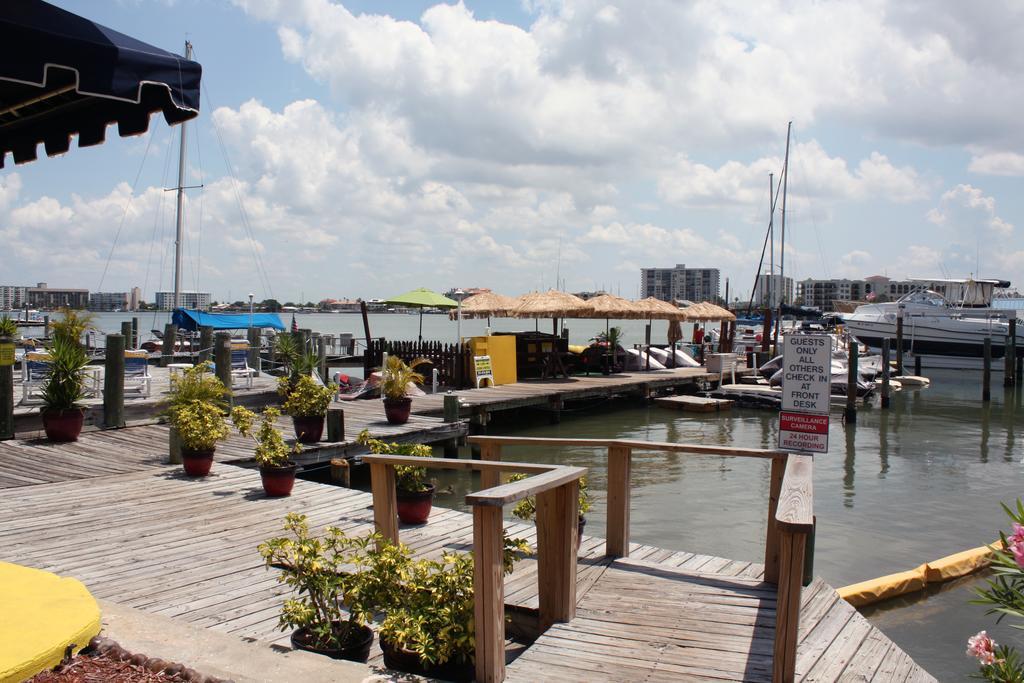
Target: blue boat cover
<point>62,75</point>
<point>190,320</point>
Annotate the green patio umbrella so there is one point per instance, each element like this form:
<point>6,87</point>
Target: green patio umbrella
<point>422,298</point>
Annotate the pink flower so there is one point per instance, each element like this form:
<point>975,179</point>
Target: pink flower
<point>982,647</point>
<point>1017,537</point>
<point>1015,544</point>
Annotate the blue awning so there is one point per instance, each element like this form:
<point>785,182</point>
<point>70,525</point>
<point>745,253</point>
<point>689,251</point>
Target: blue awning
<point>186,319</point>
<point>63,75</point>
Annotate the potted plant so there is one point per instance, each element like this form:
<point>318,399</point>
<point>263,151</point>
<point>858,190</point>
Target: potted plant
<point>64,390</point>
<point>415,493</point>
<point>277,470</point>
<point>429,627</point>
<point>394,381</point>
<point>195,409</point>
<point>610,342</point>
<point>306,401</point>
<point>339,582</point>
<point>526,509</point>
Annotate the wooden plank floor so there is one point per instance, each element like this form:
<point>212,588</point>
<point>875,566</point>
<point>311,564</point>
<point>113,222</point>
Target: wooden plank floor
<point>186,548</point>
<point>541,392</point>
<point>24,462</point>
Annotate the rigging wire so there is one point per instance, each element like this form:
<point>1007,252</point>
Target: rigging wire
<point>127,206</point>
<point>810,213</point>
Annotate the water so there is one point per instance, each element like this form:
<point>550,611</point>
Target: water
<point>903,487</point>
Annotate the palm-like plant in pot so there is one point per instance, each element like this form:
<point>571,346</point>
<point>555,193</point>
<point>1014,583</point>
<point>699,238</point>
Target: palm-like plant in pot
<point>306,401</point>
<point>64,390</point>
<point>277,470</point>
<point>339,581</point>
<point>195,409</point>
<point>414,491</point>
<point>395,378</point>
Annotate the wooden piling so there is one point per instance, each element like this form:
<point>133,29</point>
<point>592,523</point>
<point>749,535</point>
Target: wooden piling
<point>46,326</point>
<point>6,388</point>
<point>341,473</point>
<point>1010,354</point>
<point>335,425</point>
<point>205,343</point>
<point>126,332</point>
<point>899,342</point>
<point>851,387</point>
<point>113,381</point>
<point>451,414</point>
<point>321,358</point>
<point>173,447</point>
<point>167,344</point>
<point>222,357</point>
<point>252,335</point>
<point>885,373</point>
<point>135,332</point>
<point>647,347</point>
<point>766,330</point>
<point>986,380</point>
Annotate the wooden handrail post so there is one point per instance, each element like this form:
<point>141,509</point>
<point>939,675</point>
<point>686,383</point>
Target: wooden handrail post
<point>619,469</point>
<point>557,528</point>
<point>771,539</point>
<point>385,502</point>
<point>490,452</point>
<point>787,613</point>
<point>488,594</point>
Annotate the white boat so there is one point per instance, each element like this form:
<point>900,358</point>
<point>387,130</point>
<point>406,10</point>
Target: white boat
<point>944,336</point>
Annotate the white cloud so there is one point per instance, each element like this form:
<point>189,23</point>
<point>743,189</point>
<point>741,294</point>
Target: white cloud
<point>997,163</point>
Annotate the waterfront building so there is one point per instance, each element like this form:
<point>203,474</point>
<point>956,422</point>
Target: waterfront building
<point>108,301</point>
<point>134,299</point>
<point>199,301</point>
<point>340,305</point>
<point>42,296</point>
<point>680,282</point>
<point>780,288</point>
<point>12,297</point>
<point>821,294</point>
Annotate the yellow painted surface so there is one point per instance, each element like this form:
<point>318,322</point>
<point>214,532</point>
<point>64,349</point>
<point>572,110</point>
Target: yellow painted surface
<point>42,614</point>
<point>502,350</point>
<point>889,586</point>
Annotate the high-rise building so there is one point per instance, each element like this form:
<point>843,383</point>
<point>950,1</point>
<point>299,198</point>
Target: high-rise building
<point>108,301</point>
<point>42,296</point>
<point>772,289</point>
<point>680,283</point>
<point>199,301</point>
<point>821,293</point>
<point>12,297</point>
<point>134,299</point>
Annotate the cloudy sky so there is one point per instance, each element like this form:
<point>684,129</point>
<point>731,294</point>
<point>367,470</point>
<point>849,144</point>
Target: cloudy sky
<point>363,148</point>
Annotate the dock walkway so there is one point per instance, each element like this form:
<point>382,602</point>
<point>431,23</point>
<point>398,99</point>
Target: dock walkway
<point>185,548</point>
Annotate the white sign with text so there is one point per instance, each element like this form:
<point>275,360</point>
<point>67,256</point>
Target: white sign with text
<point>807,373</point>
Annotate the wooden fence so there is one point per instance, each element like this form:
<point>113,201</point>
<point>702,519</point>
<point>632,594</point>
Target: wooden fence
<point>453,361</point>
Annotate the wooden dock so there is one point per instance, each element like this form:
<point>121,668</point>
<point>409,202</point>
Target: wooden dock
<point>165,544</point>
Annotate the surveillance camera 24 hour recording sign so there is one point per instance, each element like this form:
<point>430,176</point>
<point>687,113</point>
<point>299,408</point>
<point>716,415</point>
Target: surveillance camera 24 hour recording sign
<point>806,387</point>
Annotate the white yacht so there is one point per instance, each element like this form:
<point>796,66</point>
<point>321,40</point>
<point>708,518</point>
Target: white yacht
<point>945,336</point>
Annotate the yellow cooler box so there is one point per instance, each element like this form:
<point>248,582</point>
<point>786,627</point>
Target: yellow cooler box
<point>502,350</point>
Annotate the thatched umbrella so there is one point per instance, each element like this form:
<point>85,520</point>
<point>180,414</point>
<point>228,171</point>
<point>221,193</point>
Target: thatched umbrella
<point>706,311</point>
<point>551,304</point>
<point>609,306</point>
<point>656,309</point>
<point>486,305</point>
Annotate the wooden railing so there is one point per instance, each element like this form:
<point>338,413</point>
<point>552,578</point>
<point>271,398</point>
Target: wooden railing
<point>790,517</point>
<point>556,489</point>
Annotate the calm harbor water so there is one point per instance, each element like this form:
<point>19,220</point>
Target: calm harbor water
<point>904,486</point>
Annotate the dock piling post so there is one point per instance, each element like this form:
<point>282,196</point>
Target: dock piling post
<point>6,388</point>
<point>222,357</point>
<point>335,425</point>
<point>173,447</point>
<point>341,473</point>
<point>126,332</point>
<point>135,332</point>
<point>253,356</point>
<point>986,380</point>
<point>46,326</point>
<point>1010,354</point>
<point>113,381</point>
<point>321,358</point>
<point>205,343</point>
<point>899,341</point>
<point>647,347</point>
<point>451,414</point>
<point>885,373</point>
<point>851,386</point>
<point>167,344</point>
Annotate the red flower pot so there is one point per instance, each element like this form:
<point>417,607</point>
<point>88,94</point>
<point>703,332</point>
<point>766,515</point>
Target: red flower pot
<point>63,425</point>
<point>414,508</point>
<point>196,463</point>
<point>396,410</point>
<point>308,429</point>
<point>278,481</point>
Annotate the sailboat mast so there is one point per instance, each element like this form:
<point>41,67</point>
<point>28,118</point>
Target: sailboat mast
<point>771,237</point>
<point>782,251</point>
<point>181,201</point>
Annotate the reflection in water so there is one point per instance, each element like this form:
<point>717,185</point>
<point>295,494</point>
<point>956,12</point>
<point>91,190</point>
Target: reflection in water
<point>883,443</point>
<point>848,463</point>
<point>986,419</point>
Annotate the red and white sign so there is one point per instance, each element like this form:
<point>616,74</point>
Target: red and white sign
<point>803,432</point>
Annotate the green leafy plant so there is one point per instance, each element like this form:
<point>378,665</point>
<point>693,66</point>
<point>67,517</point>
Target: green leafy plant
<point>407,478</point>
<point>397,374</point>
<point>526,509</point>
<point>71,325</point>
<point>8,327</point>
<point>304,397</point>
<point>295,361</point>
<point>195,384</point>
<point>432,615</point>
<point>200,425</point>
<point>1004,596</point>
<point>340,581</point>
<point>64,388</point>
<point>271,449</point>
